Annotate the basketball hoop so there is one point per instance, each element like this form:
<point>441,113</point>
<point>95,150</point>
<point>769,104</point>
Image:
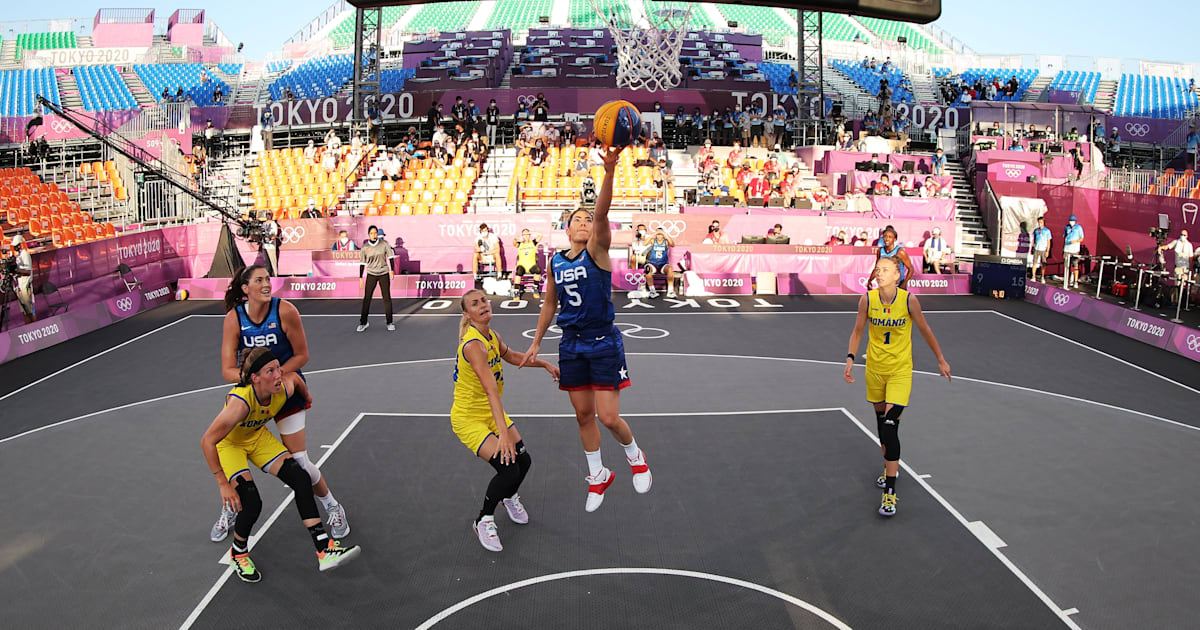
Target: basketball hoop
<point>648,45</point>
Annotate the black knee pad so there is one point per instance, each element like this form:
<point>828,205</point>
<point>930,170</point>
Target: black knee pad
<point>889,434</point>
<point>509,471</point>
<point>524,461</point>
<point>251,507</point>
<point>298,480</point>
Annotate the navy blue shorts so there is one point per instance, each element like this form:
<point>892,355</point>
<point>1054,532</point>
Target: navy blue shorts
<point>294,403</point>
<point>592,361</point>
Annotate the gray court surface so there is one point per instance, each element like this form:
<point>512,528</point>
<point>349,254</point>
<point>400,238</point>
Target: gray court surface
<point>1049,485</point>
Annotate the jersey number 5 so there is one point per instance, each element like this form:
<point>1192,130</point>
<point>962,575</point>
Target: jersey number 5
<point>573,297</point>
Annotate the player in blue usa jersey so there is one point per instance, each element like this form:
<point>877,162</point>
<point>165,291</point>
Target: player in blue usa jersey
<point>591,355</point>
<point>255,319</point>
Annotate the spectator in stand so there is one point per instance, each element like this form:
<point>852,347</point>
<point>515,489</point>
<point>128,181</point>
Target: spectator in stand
<point>930,188</point>
<point>736,157</point>
<point>658,148</point>
<point>882,187</point>
<point>492,122</point>
<point>487,251</point>
<point>704,152</point>
<point>780,122</point>
<point>768,137</point>
<point>1193,145</point>
<point>756,126</point>
<point>392,167</point>
<point>343,243</point>
<point>312,211</point>
<point>1041,248</point>
<point>745,120</point>
<point>845,143</point>
<point>538,154</point>
<point>458,112</point>
<point>793,80</point>
<point>862,240</point>
<point>1184,254</point>
<point>777,232</point>
<point>541,108</point>
<point>759,188</point>
<point>1072,239</point>
<point>773,169</point>
<point>742,177</point>
<point>440,135</point>
<point>218,96</point>
<point>433,118</point>
<point>180,97</point>
<point>901,187</point>
<point>663,176</point>
<point>939,162</point>
<point>936,250</point>
<point>331,141</point>
<point>329,161</point>
<point>715,235</point>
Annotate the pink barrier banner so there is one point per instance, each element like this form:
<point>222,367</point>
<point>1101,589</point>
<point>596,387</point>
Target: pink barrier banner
<point>750,259</point>
<point>444,230</point>
<point>856,283</point>
<point>1009,171</point>
<point>339,264</point>
<point>727,283</point>
<point>403,286</point>
<point>913,208</point>
<point>79,320</point>
<point>692,228</point>
<point>1143,327</point>
<point>862,180</point>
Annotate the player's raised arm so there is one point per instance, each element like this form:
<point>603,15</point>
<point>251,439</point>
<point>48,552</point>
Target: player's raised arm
<point>601,238</point>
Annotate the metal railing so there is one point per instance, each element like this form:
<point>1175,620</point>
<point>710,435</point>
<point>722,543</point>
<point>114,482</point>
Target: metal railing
<point>1164,183</point>
<point>320,22</point>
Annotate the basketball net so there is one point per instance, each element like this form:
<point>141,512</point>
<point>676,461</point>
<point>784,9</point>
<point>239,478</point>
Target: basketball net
<point>648,45</point>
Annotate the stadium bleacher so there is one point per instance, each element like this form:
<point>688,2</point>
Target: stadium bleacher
<point>343,34</point>
<point>519,15</point>
<point>556,179</point>
<point>765,20</point>
<point>315,78</point>
<point>232,69</point>
<point>102,88</point>
<point>1076,81</point>
<point>172,76</point>
<point>443,16</point>
<point>1025,77</point>
<point>778,74</point>
<point>19,90</point>
<point>1153,97</point>
<point>44,211</point>
<point>870,80</point>
<point>45,41</point>
<point>890,30</point>
<point>425,188</point>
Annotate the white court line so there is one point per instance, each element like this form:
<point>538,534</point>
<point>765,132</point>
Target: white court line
<point>652,414</point>
<point>648,354</point>
<point>620,314</point>
<point>98,354</point>
<point>1100,352</point>
<point>959,517</point>
<point>225,575</point>
<point>828,618</point>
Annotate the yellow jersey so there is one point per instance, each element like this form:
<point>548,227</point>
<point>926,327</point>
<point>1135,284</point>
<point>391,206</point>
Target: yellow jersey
<point>259,414</point>
<point>469,397</point>
<point>527,253</point>
<point>889,347</point>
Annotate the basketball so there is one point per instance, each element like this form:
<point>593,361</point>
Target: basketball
<point>617,124</point>
<point>181,295</point>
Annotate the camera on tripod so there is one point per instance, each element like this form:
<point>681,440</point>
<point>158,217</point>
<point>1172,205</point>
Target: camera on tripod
<point>8,267</point>
<point>1159,234</point>
<point>252,230</point>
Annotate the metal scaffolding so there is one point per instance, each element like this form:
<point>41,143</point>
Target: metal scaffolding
<point>368,34</point>
<point>811,69</point>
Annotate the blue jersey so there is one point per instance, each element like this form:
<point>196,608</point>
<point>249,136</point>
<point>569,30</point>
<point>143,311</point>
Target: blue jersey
<point>268,333</point>
<point>584,293</point>
<point>884,253</point>
<point>658,253</point>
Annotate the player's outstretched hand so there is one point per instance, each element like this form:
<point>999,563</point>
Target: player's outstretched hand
<point>944,369</point>
<point>530,356</point>
<point>611,155</point>
<point>849,373</point>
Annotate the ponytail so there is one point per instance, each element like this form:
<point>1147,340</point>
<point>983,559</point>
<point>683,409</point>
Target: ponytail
<point>235,294</point>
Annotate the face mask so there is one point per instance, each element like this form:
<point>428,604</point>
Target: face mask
<point>641,233</point>
<point>345,240</point>
<point>374,239</point>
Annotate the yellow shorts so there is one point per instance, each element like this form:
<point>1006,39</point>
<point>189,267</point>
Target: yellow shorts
<point>473,429</point>
<point>889,388</point>
<point>264,449</point>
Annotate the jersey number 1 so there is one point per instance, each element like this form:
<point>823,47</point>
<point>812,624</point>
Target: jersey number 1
<point>887,338</point>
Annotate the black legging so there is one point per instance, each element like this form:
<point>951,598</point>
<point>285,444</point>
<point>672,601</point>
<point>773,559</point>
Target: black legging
<point>385,289</point>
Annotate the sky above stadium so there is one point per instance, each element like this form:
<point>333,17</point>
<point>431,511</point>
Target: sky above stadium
<point>1142,30</point>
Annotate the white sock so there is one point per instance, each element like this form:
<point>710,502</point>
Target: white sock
<point>328,501</point>
<point>632,450</point>
<point>595,464</point>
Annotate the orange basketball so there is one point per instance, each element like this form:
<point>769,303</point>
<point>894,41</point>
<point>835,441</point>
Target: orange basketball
<point>617,124</point>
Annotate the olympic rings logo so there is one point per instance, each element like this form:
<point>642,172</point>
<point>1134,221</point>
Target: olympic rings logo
<point>1193,343</point>
<point>636,278</point>
<point>292,234</point>
<point>1137,130</point>
<point>125,304</point>
<point>672,228</point>
<point>1013,172</point>
<point>60,126</point>
<point>1061,299</point>
<point>628,329</point>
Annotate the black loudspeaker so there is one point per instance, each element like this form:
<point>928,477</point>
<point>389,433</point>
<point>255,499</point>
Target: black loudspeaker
<point>707,200</point>
<point>908,166</point>
<point>1032,179</point>
<point>733,24</point>
<point>728,200</point>
<point>836,112</point>
<point>544,19</point>
<point>902,40</point>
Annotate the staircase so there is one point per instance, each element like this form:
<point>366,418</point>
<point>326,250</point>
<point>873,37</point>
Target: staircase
<point>140,92</point>
<point>8,54</point>
<point>924,88</point>
<point>491,189</point>
<point>857,101</point>
<point>1037,89</point>
<point>68,90</point>
<point>1106,95</point>
<point>163,53</point>
<point>972,234</point>
<point>224,179</point>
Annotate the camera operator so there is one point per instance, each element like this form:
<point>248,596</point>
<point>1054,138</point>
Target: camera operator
<point>1184,253</point>
<point>24,271</point>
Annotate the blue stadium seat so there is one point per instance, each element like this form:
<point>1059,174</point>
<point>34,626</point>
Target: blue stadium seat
<point>19,90</point>
<point>315,78</point>
<point>172,76</point>
<point>101,88</point>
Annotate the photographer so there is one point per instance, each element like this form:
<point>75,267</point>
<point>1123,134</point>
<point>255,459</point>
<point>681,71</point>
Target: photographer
<point>587,192</point>
<point>24,273</point>
<point>1184,253</point>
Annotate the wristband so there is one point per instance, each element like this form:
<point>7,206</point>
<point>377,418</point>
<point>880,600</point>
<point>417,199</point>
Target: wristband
<point>850,355</point>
